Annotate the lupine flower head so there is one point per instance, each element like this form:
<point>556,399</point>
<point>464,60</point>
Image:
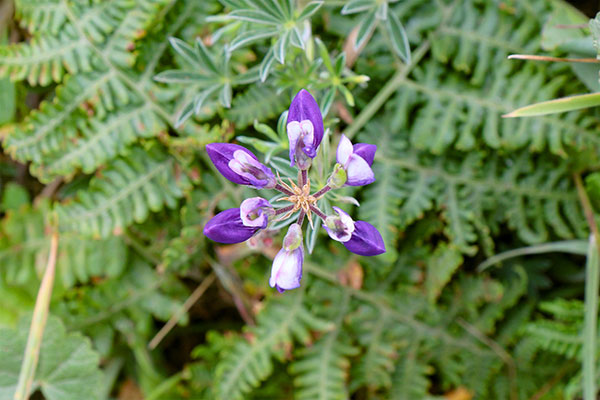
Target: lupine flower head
<point>305,133</point>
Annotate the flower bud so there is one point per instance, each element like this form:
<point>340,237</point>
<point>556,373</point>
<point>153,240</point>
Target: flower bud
<point>339,227</point>
<point>227,227</point>
<point>305,129</point>
<point>240,165</point>
<point>255,212</point>
<point>338,177</point>
<point>366,240</point>
<point>286,272</point>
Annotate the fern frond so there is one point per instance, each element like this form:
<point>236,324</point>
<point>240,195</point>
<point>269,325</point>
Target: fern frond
<point>450,111</point>
<point>322,369</point>
<point>382,337</point>
<point>383,197</point>
<point>126,191</point>
<point>24,246</point>
<point>94,142</point>
<point>260,102</point>
<point>249,363</point>
<point>410,379</point>
<point>534,196</point>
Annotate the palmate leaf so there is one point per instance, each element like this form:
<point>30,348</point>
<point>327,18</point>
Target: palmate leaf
<point>249,363</point>
<point>67,369</point>
<point>127,191</point>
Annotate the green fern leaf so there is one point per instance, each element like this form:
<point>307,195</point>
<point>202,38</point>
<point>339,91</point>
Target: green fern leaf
<point>260,102</point>
<point>126,192</point>
<point>410,379</point>
<point>249,363</point>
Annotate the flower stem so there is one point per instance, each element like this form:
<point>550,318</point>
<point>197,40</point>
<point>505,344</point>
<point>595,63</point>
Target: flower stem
<point>301,218</point>
<point>283,190</point>
<point>303,177</point>
<point>388,89</point>
<point>321,192</point>
<point>318,212</point>
<point>284,210</point>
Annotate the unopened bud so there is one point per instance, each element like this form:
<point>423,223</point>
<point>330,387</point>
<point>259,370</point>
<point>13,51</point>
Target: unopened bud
<point>338,177</point>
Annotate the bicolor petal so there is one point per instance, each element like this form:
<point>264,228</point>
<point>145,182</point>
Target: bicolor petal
<point>240,165</point>
<point>366,240</point>
<point>339,227</point>
<point>358,172</point>
<point>356,161</point>
<point>287,269</point>
<point>305,126</point>
<point>227,227</point>
<point>255,212</point>
<point>286,272</point>
<point>366,151</point>
<point>344,150</point>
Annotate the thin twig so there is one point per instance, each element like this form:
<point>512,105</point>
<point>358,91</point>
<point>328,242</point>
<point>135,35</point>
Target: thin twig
<point>38,324</point>
<point>194,297</point>
<point>553,59</point>
<point>587,207</point>
<point>550,384</point>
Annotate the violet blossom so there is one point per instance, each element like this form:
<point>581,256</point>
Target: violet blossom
<point>305,132</point>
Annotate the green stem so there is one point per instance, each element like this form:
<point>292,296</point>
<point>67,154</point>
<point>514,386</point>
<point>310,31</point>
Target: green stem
<point>590,321</point>
<point>388,89</point>
<point>592,277</point>
<point>38,323</point>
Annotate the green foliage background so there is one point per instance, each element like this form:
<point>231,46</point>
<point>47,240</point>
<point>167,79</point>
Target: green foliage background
<point>104,121</point>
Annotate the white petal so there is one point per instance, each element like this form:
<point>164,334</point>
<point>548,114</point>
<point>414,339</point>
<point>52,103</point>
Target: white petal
<point>289,274</point>
<point>277,263</point>
<point>308,131</point>
<point>358,171</point>
<point>344,150</point>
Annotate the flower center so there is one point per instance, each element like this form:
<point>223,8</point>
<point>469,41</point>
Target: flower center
<point>301,198</point>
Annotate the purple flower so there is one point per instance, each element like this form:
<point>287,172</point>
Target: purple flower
<point>286,272</point>
<point>339,227</point>
<point>359,237</point>
<point>237,225</point>
<point>304,128</point>
<point>255,212</point>
<point>356,161</point>
<point>228,227</point>
<point>239,165</point>
<point>366,240</point>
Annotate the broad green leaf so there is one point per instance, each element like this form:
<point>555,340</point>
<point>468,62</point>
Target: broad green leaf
<point>564,104</point>
<point>366,27</point>
<point>181,76</point>
<point>251,37</point>
<point>356,6</point>
<point>67,368</point>
<point>310,9</point>
<point>14,196</point>
<point>256,16</point>
<point>184,50</point>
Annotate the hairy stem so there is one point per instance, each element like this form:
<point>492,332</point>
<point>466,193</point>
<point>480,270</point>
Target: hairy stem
<point>284,210</point>
<point>322,191</point>
<point>283,190</point>
<point>320,213</point>
<point>301,218</point>
<point>303,177</point>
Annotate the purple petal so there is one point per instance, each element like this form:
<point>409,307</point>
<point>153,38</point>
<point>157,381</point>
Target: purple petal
<point>305,107</point>
<point>344,150</point>
<point>366,151</point>
<point>358,172</point>
<point>366,240</point>
<point>221,154</point>
<point>227,227</point>
<point>286,272</point>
